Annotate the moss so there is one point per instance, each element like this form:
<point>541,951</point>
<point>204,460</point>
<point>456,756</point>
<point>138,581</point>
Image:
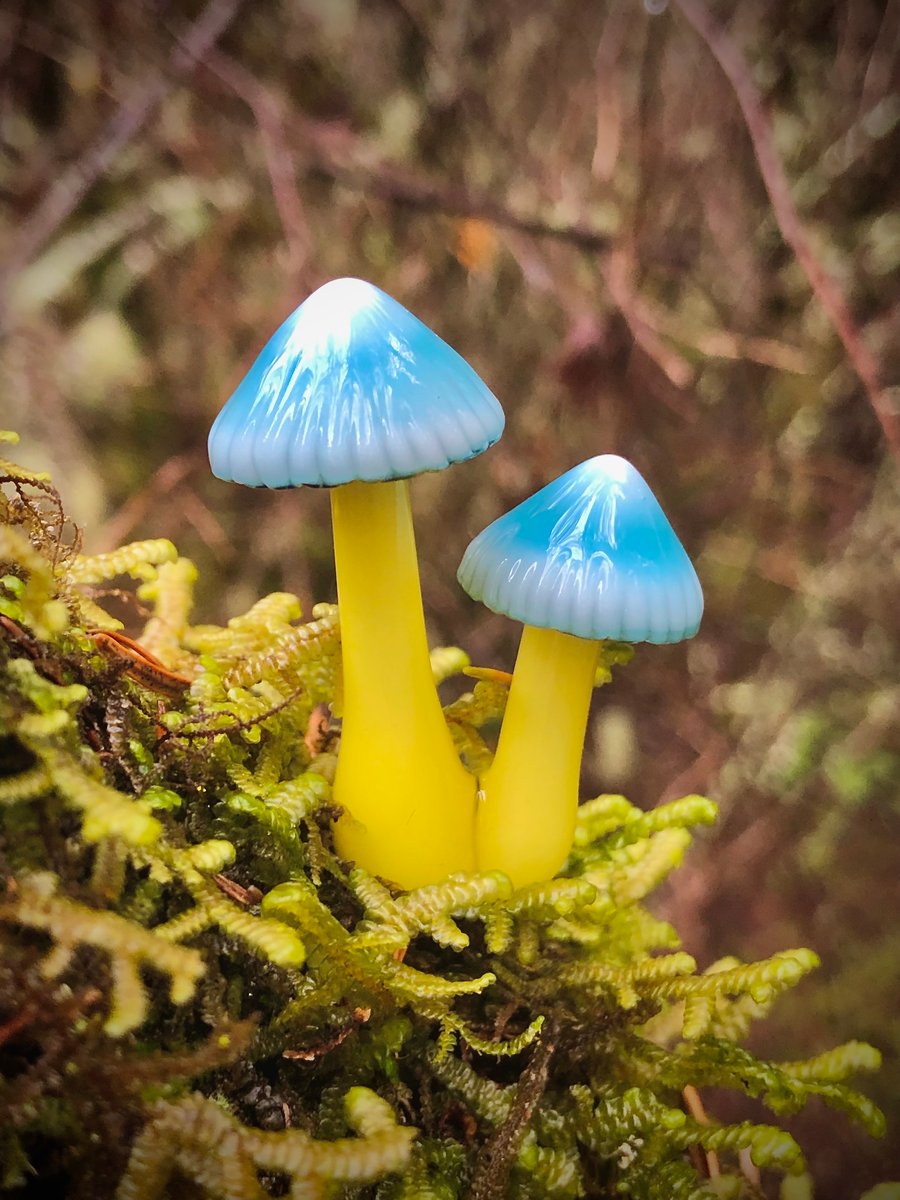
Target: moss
<point>196,992</point>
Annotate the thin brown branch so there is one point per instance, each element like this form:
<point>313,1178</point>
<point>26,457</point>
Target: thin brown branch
<point>825,288</point>
<point>499,1151</point>
<point>64,196</point>
<point>882,65</point>
<point>276,151</point>
<point>608,122</point>
<point>619,271</point>
<point>388,183</point>
<point>694,1105</point>
<point>163,483</point>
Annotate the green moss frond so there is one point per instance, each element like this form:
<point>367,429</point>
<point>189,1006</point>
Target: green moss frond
<point>471,747</point>
<point>459,895</point>
<point>638,868</point>
<point>760,980</point>
<point>29,586</point>
<point>271,819</point>
<point>411,985</point>
<point>769,1146</point>
<point>201,1141</point>
<point>24,786</point>
<point>138,559</point>
<point>629,983</point>
<point>36,906</point>
<point>677,814</point>
<point>313,647</point>
<point>551,898</point>
<point>266,936</point>
<point>447,661</point>
<point>377,900</point>
<point>499,930</point>
<point>106,812</point>
<point>172,595</point>
<point>834,1066</point>
<point>598,817</point>
<point>494,1047</point>
<point>713,1062</point>
<point>487,1099</point>
<point>486,703</point>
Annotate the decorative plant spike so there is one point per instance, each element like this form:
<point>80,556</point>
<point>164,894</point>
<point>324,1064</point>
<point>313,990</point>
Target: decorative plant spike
<point>188,964</point>
<point>354,393</point>
<point>590,557</point>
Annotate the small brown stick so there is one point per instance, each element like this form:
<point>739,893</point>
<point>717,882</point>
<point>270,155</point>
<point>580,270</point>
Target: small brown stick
<point>825,288</point>
<point>318,730</point>
<point>277,153</point>
<point>749,1169</point>
<point>503,1018</point>
<point>238,725</point>
<point>246,896</point>
<point>496,1157</point>
<point>22,1019</point>
<point>401,188</point>
<point>618,271</point>
<point>166,480</point>
<point>55,525</point>
<point>310,1054</point>
<point>138,663</point>
<point>694,1105</point>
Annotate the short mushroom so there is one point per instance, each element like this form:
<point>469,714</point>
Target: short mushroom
<point>354,393</point>
<point>590,557</point>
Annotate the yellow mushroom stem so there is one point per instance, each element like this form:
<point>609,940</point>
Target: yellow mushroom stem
<point>528,798</point>
<point>409,802</point>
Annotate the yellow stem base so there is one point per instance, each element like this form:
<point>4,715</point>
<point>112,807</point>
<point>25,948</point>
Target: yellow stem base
<point>528,798</point>
<point>409,802</point>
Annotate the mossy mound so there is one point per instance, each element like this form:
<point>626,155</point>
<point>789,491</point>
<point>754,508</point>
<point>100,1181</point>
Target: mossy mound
<point>199,998</point>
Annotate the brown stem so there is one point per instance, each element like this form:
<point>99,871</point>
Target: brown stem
<point>276,150</point>
<point>411,192</point>
<point>496,1158</point>
<point>825,288</point>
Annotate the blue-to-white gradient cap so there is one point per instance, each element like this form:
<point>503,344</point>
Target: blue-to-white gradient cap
<point>591,554</point>
<point>352,387</point>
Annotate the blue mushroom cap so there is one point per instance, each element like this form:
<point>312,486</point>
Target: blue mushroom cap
<point>591,554</point>
<point>352,387</point>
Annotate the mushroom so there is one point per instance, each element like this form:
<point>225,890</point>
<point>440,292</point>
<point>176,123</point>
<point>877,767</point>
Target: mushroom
<point>354,393</point>
<point>589,557</point>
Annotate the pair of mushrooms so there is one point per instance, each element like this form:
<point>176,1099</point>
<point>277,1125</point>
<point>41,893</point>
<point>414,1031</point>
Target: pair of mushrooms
<point>354,393</point>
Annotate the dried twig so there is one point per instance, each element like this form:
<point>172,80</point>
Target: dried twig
<point>694,1105</point>
<point>619,271</point>
<point>496,1158</point>
<point>70,188</point>
<point>166,481</point>
<point>277,152</point>
<point>826,290</point>
<point>388,183</point>
<point>608,137</point>
<point>242,895</point>
<point>883,59</point>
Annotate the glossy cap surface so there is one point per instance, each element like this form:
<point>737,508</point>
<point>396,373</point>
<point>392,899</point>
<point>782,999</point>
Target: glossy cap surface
<point>352,387</point>
<point>591,554</point>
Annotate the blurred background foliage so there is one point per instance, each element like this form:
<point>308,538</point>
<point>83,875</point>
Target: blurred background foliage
<point>570,193</point>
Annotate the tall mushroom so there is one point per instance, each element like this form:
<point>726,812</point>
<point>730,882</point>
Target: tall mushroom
<point>589,557</point>
<point>354,393</point>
